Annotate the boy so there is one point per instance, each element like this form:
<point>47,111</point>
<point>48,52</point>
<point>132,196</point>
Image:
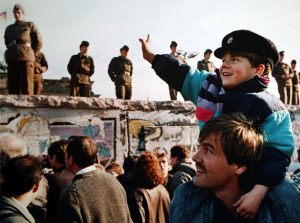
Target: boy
<point>239,87</point>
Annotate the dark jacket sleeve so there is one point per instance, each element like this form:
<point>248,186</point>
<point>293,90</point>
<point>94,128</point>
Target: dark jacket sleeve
<point>36,38</point>
<point>272,167</point>
<point>44,64</point>
<point>70,66</point>
<point>170,70</point>
<point>111,69</point>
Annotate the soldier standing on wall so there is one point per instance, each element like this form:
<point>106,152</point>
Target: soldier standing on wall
<point>81,68</point>
<point>40,67</point>
<point>120,72</point>
<point>22,40</point>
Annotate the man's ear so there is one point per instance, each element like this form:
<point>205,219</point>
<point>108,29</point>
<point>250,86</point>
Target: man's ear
<point>260,69</point>
<point>36,186</point>
<point>240,169</point>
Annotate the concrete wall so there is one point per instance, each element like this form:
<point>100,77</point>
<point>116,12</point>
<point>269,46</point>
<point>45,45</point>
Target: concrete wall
<point>114,124</point>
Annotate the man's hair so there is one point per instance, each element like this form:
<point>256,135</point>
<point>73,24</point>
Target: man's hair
<point>116,167</point>
<point>83,150</point>
<point>10,146</point>
<point>293,62</point>
<point>161,152</point>
<point>58,148</point>
<point>240,139</point>
<point>20,174</point>
<point>173,44</point>
<point>180,151</point>
<point>207,51</point>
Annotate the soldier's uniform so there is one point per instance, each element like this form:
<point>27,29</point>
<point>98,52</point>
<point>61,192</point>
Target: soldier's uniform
<point>206,65</point>
<point>173,92</point>
<point>295,82</point>
<point>22,40</point>
<point>81,68</point>
<point>120,72</point>
<point>280,72</point>
<point>40,67</point>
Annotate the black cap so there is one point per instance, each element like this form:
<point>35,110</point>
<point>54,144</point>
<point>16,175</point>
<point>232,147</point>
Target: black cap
<point>125,47</point>
<point>293,62</point>
<point>248,41</point>
<point>18,7</point>
<point>208,51</point>
<point>84,43</point>
<point>173,43</point>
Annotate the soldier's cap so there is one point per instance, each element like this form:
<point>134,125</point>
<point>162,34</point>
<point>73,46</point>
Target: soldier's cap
<point>208,51</point>
<point>125,47</point>
<point>173,44</point>
<point>84,43</point>
<point>248,41</point>
<point>281,53</point>
<point>18,7</point>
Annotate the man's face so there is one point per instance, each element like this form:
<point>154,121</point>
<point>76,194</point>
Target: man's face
<point>213,171</point>
<point>173,49</point>
<point>207,56</point>
<point>293,66</point>
<point>124,53</point>
<point>52,161</point>
<point>235,70</point>
<point>173,161</point>
<point>83,49</point>
<point>19,15</point>
<point>164,164</point>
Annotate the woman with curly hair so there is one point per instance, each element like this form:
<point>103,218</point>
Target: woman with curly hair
<point>148,200</point>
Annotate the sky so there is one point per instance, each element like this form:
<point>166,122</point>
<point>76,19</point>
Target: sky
<point>108,25</point>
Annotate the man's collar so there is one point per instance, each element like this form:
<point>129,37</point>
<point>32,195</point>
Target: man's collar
<point>86,170</point>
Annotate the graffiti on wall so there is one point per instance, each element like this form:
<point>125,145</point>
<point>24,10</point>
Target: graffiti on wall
<point>103,135</point>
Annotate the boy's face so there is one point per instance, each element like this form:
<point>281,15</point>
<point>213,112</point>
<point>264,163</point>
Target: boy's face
<point>235,70</point>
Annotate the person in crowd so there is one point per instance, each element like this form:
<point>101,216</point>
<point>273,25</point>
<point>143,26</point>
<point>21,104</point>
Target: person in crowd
<point>81,67</point>
<point>239,87</point>
<point>59,180</point>
<point>283,75</point>
<point>148,199</point>
<point>10,146</point>
<point>206,64</point>
<point>173,48</point>
<point>22,40</point>
<point>128,166</point>
<point>163,157</point>
<point>40,67</point>
<point>183,169</point>
<point>230,146</point>
<point>120,72</point>
<point>21,178</point>
<point>93,196</point>
<point>114,169</point>
<point>295,82</point>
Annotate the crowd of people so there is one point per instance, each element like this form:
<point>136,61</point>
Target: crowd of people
<point>158,185</point>
<point>238,174</point>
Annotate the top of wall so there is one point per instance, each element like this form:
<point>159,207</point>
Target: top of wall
<point>44,101</point>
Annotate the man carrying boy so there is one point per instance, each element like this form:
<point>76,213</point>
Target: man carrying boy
<point>229,147</point>
<point>239,87</point>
